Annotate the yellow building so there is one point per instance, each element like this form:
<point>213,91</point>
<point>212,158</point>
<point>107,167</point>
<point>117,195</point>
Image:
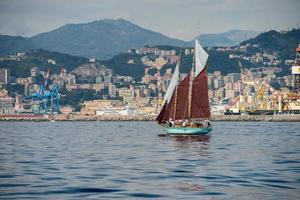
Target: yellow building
<point>90,107</point>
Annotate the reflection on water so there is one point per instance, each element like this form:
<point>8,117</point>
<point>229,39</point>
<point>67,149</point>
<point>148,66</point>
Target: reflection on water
<point>106,160</point>
<point>186,140</point>
<point>198,144</point>
<point>190,187</point>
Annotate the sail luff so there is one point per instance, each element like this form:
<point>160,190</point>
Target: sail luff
<point>190,94</point>
<point>200,58</point>
<point>173,83</point>
<point>175,103</point>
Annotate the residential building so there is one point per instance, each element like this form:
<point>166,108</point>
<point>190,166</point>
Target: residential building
<point>4,76</point>
<point>112,90</point>
<point>34,71</point>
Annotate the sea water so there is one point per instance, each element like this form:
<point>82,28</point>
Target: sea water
<point>129,160</point>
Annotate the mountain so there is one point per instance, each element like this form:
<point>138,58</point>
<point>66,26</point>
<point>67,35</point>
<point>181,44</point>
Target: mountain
<point>282,42</point>
<point>13,44</point>
<point>229,38</point>
<point>100,39</point>
<point>106,38</point>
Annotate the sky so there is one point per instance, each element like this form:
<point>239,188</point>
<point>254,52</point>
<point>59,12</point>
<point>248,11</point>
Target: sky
<point>182,19</point>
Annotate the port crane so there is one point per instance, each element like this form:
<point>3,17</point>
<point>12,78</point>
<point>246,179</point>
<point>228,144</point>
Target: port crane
<point>45,101</point>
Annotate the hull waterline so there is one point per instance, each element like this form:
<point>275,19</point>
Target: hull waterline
<point>187,131</point>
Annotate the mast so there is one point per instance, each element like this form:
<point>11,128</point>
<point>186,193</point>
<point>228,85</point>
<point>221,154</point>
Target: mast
<point>176,89</point>
<point>191,86</point>
<point>175,107</point>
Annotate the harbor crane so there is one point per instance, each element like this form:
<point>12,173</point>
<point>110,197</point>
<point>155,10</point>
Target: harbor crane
<point>45,101</point>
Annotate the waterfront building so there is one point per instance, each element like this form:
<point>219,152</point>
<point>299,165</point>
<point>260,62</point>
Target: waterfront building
<point>148,110</point>
<point>90,107</point>
<point>117,111</point>
<point>66,109</point>
<point>19,103</point>
<point>6,103</point>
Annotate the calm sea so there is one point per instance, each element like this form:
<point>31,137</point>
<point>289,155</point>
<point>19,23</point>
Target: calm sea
<point>128,160</point>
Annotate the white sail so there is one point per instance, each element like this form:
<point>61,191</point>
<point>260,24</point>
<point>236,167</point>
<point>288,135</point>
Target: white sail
<point>200,58</point>
<point>172,85</point>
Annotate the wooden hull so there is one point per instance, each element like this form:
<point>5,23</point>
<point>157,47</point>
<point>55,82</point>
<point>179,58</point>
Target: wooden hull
<point>187,131</point>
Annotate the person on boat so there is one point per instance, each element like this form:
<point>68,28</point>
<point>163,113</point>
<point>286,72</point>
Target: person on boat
<point>206,124</point>
<point>185,123</point>
<point>199,124</point>
<point>171,122</point>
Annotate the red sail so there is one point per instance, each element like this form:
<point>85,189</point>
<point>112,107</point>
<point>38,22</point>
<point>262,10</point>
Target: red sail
<point>200,103</point>
<point>159,118</point>
<point>182,102</point>
<point>167,110</point>
<point>169,113</point>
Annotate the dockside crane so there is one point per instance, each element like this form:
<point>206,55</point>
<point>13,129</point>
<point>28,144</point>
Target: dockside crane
<point>45,101</point>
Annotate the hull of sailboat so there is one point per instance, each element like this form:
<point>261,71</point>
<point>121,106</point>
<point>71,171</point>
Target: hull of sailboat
<point>187,131</point>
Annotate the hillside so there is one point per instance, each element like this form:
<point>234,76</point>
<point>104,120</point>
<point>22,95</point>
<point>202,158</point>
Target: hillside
<point>13,44</point>
<point>39,58</point>
<point>100,39</point>
<point>282,42</point>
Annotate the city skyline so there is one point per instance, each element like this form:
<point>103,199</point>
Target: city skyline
<point>177,19</point>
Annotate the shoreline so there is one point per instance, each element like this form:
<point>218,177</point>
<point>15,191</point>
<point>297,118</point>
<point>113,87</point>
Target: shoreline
<point>75,117</point>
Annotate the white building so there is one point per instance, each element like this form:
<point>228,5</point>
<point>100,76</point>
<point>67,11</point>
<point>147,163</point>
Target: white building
<point>117,111</point>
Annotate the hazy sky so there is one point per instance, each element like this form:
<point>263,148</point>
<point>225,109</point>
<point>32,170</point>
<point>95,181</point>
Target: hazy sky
<point>183,19</point>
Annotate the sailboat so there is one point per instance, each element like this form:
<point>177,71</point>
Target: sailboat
<point>185,108</point>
